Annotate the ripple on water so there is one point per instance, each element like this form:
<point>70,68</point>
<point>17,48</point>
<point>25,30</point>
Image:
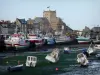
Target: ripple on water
<point>93,69</point>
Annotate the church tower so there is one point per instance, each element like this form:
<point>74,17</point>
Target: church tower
<point>51,16</point>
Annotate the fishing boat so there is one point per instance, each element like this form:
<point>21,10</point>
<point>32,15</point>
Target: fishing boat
<point>35,39</point>
<point>62,39</point>
<point>83,40</point>
<point>82,60</point>
<point>53,56</point>
<point>49,40</point>
<point>18,41</point>
<point>65,40</point>
<point>31,61</point>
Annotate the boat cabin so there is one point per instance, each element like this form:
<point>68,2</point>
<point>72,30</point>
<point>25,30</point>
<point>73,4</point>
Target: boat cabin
<point>31,61</point>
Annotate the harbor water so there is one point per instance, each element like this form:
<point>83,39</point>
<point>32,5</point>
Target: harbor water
<point>67,64</point>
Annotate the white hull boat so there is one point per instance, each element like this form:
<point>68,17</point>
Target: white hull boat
<point>49,40</point>
<point>97,46</point>
<point>53,57</point>
<point>91,49</point>
<point>66,50</point>
<point>62,39</point>
<point>31,61</point>
<point>35,39</point>
<point>83,40</point>
<point>17,41</point>
<point>81,58</point>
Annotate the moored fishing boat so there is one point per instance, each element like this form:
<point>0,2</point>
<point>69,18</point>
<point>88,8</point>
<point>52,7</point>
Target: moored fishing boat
<point>49,40</point>
<point>35,39</point>
<point>18,41</point>
<point>62,39</point>
<point>83,40</point>
<point>65,40</point>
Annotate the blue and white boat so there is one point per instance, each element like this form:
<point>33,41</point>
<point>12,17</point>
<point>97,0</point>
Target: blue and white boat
<point>66,50</point>
<point>49,40</point>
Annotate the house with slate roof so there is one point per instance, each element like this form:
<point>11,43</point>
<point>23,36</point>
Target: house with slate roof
<point>22,25</point>
<point>42,24</point>
<point>6,27</point>
<point>95,32</point>
<point>30,27</point>
<point>39,24</point>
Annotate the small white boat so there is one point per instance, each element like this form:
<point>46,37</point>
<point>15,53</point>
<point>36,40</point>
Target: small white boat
<point>18,41</point>
<point>31,61</point>
<point>97,46</point>
<point>66,50</point>
<point>81,58</point>
<point>91,49</point>
<point>15,68</point>
<point>54,56</point>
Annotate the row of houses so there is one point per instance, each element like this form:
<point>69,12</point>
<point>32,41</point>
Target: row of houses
<point>49,23</point>
<point>92,33</point>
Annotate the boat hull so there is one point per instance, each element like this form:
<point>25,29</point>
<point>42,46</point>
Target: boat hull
<point>17,46</point>
<point>83,42</point>
<point>51,59</point>
<point>15,68</point>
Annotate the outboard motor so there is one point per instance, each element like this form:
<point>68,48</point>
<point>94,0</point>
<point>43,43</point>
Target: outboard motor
<point>84,51</point>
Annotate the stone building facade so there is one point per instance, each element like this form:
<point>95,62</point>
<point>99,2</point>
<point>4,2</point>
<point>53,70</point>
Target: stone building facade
<point>39,24</point>
<point>56,23</point>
